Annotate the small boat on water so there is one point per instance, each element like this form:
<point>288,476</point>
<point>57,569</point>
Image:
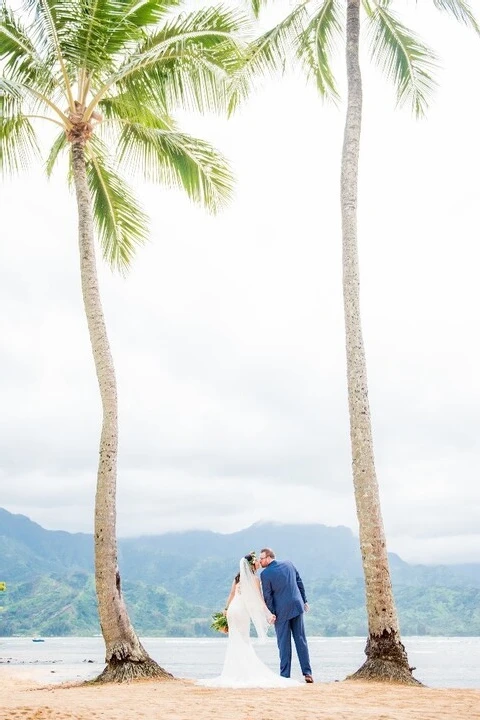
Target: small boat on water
<point>38,640</point>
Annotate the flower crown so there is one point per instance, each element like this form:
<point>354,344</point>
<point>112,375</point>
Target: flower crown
<point>251,557</point>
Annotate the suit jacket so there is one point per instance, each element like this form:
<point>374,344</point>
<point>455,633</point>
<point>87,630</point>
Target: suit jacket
<point>283,590</point>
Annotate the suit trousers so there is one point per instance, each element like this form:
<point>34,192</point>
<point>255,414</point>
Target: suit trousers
<point>284,631</point>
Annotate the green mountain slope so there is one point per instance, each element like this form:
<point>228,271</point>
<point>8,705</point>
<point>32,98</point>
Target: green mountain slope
<point>173,582</point>
<point>55,606</point>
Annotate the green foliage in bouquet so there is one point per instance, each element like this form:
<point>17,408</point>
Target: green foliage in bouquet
<point>220,623</point>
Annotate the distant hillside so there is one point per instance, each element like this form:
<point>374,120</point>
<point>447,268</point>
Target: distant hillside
<point>173,582</point>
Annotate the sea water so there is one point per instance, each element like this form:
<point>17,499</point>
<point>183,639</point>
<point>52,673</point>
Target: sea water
<point>439,661</point>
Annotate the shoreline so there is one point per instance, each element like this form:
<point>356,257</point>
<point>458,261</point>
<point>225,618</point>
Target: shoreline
<point>180,699</point>
<point>440,662</point>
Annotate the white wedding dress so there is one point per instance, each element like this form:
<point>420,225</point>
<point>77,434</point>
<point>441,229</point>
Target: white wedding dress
<point>242,667</point>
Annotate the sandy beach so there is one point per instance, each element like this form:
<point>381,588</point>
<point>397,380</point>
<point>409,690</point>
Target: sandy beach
<point>24,699</point>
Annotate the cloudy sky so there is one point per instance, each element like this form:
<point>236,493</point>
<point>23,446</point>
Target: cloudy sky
<point>228,332</point>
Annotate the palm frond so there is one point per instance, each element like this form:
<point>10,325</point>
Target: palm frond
<point>460,10</point>
<point>206,26</point>
<point>177,160</point>
<point>59,146</point>
<point>93,26</point>
<point>256,6</point>
<point>143,13</point>
<point>316,47</point>
<point>196,48</point>
<point>189,81</point>
<point>51,32</point>
<point>101,29</point>
<point>121,224</point>
<point>21,59</point>
<point>268,54</point>
<point>29,96</point>
<point>124,107</point>
<point>11,90</point>
<point>403,57</point>
<point>128,20</point>
<point>18,144</point>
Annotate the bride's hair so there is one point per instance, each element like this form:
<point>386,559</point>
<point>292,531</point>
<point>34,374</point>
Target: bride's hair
<point>251,558</point>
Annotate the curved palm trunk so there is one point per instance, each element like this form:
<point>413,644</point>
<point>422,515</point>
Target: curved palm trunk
<point>386,656</point>
<point>125,656</point>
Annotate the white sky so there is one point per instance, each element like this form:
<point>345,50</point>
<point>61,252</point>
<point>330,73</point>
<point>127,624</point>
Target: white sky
<point>228,332</point>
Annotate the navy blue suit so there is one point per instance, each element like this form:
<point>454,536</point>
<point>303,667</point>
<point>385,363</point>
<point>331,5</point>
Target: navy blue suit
<point>285,597</point>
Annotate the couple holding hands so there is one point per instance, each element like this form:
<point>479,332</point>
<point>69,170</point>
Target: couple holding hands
<point>278,598</point>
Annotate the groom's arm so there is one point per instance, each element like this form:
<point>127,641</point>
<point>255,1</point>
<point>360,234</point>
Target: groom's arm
<point>301,586</point>
<point>267,593</point>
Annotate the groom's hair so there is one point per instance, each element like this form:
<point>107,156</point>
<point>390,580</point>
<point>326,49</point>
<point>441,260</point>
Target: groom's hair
<point>268,552</point>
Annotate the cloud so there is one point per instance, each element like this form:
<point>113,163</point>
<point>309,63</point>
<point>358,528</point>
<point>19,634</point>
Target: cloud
<point>228,332</point>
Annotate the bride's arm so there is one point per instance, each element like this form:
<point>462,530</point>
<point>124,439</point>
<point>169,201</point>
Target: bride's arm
<point>230,597</point>
<point>271,617</point>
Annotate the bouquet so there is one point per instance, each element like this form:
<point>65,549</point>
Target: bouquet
<point>220,622</point>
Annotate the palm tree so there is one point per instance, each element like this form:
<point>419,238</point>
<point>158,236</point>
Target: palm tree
<point>107,75</point>
<point>308,33</point>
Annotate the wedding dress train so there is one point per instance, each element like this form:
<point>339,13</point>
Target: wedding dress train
<point>242,666</point>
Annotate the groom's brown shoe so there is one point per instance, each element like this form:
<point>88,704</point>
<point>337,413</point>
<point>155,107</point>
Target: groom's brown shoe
<point>308,678</point>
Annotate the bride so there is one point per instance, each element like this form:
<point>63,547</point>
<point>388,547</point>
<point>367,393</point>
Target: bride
<point>242,666</point>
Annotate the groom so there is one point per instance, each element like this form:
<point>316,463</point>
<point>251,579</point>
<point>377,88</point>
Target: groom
<point>284,595</point>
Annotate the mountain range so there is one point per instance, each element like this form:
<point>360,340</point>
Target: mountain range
<point>173,582</point>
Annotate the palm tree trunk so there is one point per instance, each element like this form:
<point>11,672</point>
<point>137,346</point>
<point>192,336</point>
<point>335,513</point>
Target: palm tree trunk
<point>125,656</point>
<point>386,656</point>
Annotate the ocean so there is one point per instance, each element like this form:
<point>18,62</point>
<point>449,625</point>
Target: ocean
<point>449,662</point>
